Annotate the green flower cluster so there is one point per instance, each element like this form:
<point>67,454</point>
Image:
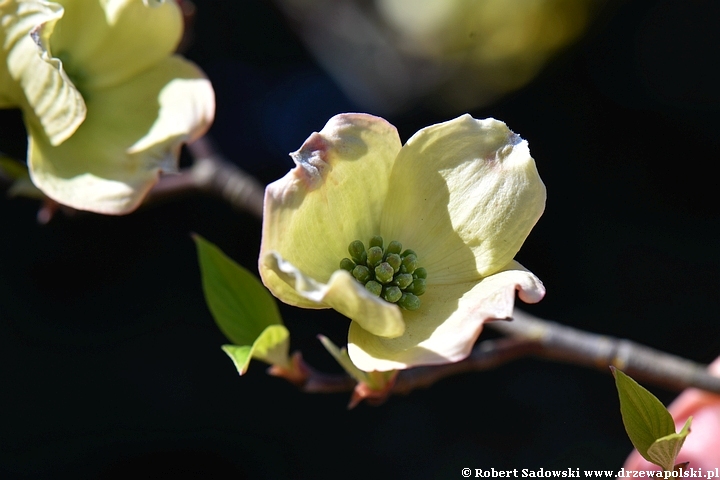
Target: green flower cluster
<point>387,273</point>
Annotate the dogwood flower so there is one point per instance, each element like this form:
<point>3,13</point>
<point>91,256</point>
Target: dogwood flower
<point>360,212</point>
<point>106,103</point>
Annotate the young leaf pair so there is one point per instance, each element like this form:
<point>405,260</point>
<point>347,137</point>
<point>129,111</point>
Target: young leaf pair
<point>648,423</point>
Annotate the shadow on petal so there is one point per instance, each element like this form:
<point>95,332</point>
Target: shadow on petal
<point>334,195</point>
<point>464,195</point>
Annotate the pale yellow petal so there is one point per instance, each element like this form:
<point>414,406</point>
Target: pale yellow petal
<point>187,107</point>
<point>34,80</point>
<point>106,42</point>
<point>132,132</point>
<point>333,196</point>
<point>465,194</point>
<point>342,293</point>
<point>445,327</point>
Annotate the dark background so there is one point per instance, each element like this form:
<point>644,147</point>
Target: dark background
<point>111,363</point>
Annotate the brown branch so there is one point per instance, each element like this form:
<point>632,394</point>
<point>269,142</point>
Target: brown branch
<point>210,173</point>
<point>529,336</point>
<point>487,355</point>
<point>570,345</point>
<point>319,382</point>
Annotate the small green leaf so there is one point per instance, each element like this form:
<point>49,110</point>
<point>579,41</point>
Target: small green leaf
<point>374,380</point>
<point>645,418</point>
<point>342,357</point>
<point>243,309</point>
<point>272,346</point>
<point>241,305</point>
<point>239,355</point>
<point>664,450</point>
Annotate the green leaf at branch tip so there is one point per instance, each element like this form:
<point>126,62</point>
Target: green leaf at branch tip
<point>272,346</point>
<point>240,355</point>
<point>645,418</point>
<point>241,306</point>
<point>374,380</point>
<point>664,450</point>
<point>342,357</point>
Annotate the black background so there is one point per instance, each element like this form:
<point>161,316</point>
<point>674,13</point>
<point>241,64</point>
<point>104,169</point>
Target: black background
<point>111,363</point>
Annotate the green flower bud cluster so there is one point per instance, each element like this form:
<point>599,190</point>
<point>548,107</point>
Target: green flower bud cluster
<point>387,273</point>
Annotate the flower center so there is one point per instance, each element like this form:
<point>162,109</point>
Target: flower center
<point>387,273</point>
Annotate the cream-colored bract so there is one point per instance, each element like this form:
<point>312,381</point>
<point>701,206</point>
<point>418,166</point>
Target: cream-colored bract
<point>30,78</point>
<point>106,103</point>
<point>463,195</point>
